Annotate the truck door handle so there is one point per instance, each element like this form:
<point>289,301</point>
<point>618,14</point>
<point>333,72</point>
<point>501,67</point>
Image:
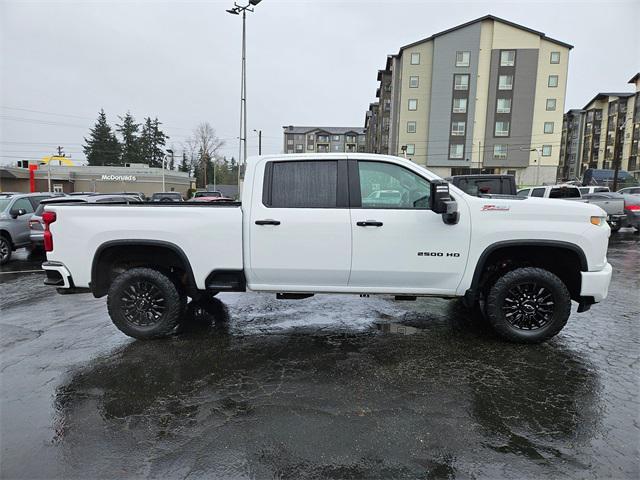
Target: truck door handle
<point>268,222</point>
<point>369,223</point>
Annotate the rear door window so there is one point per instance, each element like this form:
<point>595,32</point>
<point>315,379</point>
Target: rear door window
<point>301,184</point>
<point>22,204</point>
<point>537,192</point>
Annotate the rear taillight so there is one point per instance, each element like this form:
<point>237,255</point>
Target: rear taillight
<point>48,218</point>
<point>633,208</point>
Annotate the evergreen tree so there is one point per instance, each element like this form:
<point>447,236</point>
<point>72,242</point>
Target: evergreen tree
<point>130,147</point>
<point>152,142</point>
<point>184,164</point>
<point>102,146</point>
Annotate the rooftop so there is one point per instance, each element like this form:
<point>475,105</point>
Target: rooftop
<point>487,17</point>
<point>603,95</point>
<point>329,130</point>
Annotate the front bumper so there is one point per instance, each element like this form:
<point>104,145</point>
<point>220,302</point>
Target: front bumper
<point>596,284</point>
<point>57,275</point>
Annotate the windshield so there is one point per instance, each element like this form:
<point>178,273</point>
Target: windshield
<point>4,203</point>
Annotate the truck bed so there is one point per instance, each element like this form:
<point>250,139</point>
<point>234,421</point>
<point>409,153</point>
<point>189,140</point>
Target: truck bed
<point>209,232</point>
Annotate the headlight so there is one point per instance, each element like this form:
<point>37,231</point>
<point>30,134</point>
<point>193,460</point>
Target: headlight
<point>598,220</point>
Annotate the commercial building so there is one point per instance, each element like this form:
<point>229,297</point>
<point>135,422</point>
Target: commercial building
<point>487,95</point>
<point>103,179</point>
<point>323,139</point>
<point>609,133</point>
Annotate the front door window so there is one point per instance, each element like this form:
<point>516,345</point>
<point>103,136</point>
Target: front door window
<point>386,185</point>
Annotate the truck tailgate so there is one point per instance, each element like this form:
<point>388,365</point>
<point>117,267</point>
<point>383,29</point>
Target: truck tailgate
<point>209,236</point>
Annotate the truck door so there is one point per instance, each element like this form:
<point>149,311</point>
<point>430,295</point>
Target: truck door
<point>399,244</point>
<point>300,231</point>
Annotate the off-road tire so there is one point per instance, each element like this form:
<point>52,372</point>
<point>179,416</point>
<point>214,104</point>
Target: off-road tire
<point>5,250</point>
<point>164,291</point>
<point>555,320</point>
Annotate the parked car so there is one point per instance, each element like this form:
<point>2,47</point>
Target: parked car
<point>592,189</point>
<point>15,212</point>
<point>36,225</point>
<point>632,211</point>
<point>630,190</point>
<point>166,197</point>
<point>207,193</point>
<point>211,199</point>
<point>141,196</point>
<point>303,228</point>
<point>551,191</point>
<point>484,184</point>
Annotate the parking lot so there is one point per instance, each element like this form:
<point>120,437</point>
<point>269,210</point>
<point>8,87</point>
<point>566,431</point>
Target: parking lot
<point>328,387</point>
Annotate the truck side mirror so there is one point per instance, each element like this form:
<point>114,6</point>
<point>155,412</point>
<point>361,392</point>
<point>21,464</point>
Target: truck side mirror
<point>442,203</point>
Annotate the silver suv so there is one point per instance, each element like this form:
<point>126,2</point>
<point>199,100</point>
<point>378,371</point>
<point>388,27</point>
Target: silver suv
<point>15,212</point>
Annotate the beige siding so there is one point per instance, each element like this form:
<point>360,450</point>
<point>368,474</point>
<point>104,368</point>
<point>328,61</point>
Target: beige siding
<point>422,94</point>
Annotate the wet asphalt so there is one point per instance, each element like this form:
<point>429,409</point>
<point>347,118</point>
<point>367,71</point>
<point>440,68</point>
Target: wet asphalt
<point>327,387</point>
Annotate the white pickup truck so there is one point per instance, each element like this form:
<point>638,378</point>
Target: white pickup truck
<point>310,224</point>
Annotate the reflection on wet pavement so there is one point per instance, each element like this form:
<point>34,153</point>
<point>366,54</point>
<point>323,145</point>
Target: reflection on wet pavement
<point>328,387</point>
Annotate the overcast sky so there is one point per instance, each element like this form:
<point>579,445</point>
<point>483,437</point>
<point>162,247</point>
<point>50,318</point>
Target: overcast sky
<point>309,62</point>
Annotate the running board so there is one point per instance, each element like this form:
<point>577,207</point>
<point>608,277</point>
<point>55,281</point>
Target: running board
<point>293,296</point>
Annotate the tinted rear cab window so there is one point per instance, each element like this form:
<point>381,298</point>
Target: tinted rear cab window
<point>301,184</point>
<point>564,192</point>
<point>537,192</point>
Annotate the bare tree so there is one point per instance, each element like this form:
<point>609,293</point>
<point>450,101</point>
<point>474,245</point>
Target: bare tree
<point>203,147</point>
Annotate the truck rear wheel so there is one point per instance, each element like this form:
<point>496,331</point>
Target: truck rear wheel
<point>528,305</point>
<point>144,303</point>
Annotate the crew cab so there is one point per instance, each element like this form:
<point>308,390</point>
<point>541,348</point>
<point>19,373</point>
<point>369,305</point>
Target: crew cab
<point>309,224</point>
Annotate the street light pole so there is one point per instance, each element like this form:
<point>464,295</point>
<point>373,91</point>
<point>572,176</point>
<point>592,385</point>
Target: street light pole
<point>164,159</point>
<point>242,147</point>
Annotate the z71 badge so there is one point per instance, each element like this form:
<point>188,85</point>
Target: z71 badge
<point>495,208</point>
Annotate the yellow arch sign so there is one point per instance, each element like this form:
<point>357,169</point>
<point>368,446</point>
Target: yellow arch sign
<point>56,160</point>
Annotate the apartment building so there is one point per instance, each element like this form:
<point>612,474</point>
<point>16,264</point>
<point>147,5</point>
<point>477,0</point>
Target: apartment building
<point>487,95</point>
<point>323,139</point>
<point>611,131</point>
<point>571,145</point>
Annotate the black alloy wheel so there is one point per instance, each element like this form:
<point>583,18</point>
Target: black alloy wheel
<point>5,250</point>
<point>145,303</point>
<point>528,306</point>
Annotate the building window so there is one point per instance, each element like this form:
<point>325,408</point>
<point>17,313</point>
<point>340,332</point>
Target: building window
<point>462,59</point>
<point>555,57</point>
<point>309,147</point>
<point>415,59</point>
<point>290,141</point>
<point>411,149</point>
<point>499,151</point>
<point>299,147</point>
<point>553,81</point>
<point>461,82</point>
<point>507,58</point>
<point>351,139</point>
<point>336,148</point>
<point>459,105</point>
<point>323,139</point>
<point>290,150</point>
<point>413,82</point>
<point>336,138</point>
<point>504,105</point>
<point>57,188</point>
<point>551,104</point>
<point>413,104</point>
<point>456,150</point>
<point>548,127</point>
<point>502,129</point>
<point>505,82</point>
<point>457,128</point>
<point>546,150</point>
<point>411,127</point>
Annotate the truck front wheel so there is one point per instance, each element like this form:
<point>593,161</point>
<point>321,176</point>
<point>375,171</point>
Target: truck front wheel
<point>528,305</point>
<point>144,303</point>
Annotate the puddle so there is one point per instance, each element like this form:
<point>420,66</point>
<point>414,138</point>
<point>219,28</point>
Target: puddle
<point>396,328</point>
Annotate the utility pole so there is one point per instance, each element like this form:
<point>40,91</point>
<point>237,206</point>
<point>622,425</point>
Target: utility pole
<point>617,153</point>
<point>60,152</point>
